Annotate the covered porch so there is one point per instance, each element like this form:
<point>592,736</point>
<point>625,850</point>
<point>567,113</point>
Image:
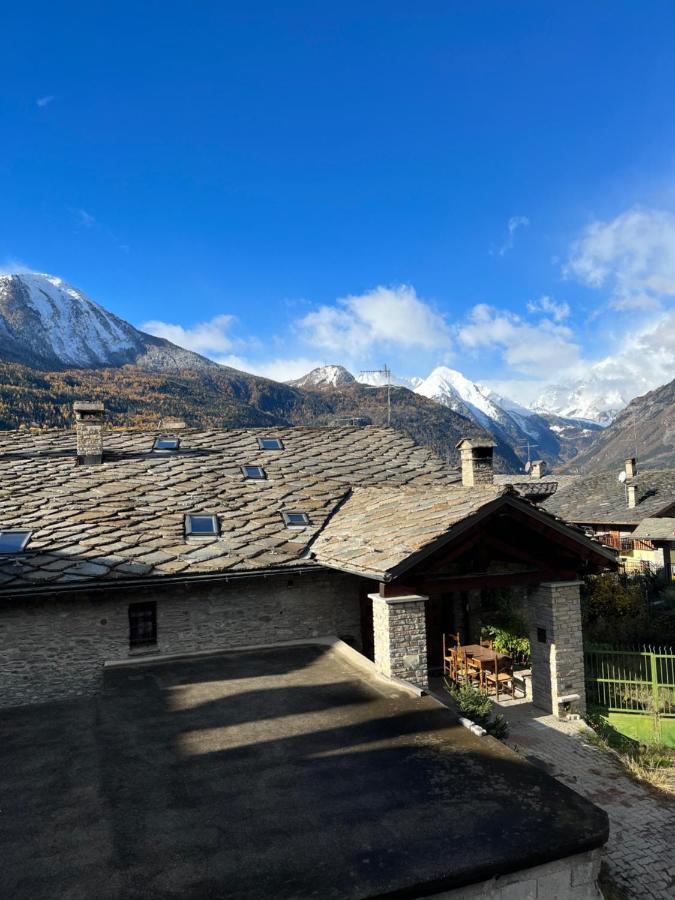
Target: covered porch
<point>438,558</point>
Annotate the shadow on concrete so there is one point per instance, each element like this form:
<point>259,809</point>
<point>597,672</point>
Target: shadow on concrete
<point>284,773</point>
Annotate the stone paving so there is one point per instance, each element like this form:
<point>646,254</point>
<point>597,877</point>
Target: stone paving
<point>640,854</point>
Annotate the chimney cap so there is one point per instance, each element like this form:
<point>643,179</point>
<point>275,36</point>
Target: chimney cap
<point>474,443</point>
<point>89,406</point>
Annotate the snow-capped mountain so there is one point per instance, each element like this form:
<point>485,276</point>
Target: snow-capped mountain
<point>45,323</point>
<point>529,433</point>
<point>524,431</point>
<point>588,399</point>
<point>379,379</point>
<point>324,376</point>
<point>451,388</point>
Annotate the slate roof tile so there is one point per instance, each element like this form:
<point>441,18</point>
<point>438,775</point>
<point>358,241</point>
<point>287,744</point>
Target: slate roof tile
<point>601,498</point>
<point>125,518</point>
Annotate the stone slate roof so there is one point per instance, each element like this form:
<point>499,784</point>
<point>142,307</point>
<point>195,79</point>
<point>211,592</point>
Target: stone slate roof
<point>655,530</point>
<point>378,527</point>
<point>528,482</point>
<point>601,498</point>
<point>125,518</point>
<point>381,530</point>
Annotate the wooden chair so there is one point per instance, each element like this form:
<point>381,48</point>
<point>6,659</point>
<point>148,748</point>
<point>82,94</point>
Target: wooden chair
<point>476,671</point>
<point>447,656</point>
<point>462,672</point>
<point>486,642</point>
<point>501,678</point>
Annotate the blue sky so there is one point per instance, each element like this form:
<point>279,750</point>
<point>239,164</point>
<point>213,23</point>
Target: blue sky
<point>486,185</point>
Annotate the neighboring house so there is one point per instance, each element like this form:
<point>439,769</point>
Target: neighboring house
<point>613,505</point>
<point>174,542</point>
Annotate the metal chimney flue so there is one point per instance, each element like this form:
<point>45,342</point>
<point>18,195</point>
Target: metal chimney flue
<point>89,418</point>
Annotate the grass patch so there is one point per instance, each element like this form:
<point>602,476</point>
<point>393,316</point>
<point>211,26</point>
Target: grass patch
<point>651,764</point>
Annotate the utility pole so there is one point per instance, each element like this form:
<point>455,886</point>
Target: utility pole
<point>386,371</point>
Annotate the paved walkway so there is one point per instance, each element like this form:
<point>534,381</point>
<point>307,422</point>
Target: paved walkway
<point>641,850</point>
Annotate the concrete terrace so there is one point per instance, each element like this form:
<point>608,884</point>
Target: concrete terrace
<point>283,772</point>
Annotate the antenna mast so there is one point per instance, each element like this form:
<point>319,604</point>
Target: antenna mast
<point>386,371</point>
<point>529,446</point>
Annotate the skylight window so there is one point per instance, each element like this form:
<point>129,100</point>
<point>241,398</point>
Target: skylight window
<point>270,444</point>
<point>201,525</point>
<point>297,519</point>
<point>14,541</point>
<point>253,472</point>
<point>164,443</point>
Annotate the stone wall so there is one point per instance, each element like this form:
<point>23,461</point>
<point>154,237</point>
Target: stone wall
<point>557,645</point>
<point>400,635</point>
<point>570,878</point>
<point>55,648</point>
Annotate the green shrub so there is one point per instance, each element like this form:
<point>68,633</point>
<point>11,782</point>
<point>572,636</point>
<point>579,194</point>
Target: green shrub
<point>513,640</point>
<point>477,706</point>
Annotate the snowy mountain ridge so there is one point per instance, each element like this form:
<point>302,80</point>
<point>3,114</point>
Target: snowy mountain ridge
<point>46,323</point>
<point>589,399</point>
<point>528,432</point>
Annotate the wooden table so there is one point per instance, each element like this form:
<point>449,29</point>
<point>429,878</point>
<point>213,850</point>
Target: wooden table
<point>483,654</point>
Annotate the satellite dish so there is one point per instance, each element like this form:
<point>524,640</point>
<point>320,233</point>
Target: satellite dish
<point>622,477</point>
<point>528,466</point>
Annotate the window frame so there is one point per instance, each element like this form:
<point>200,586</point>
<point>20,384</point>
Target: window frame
<point>261,477</point>
<point>287,513</point>
<point>190,533</point>
<point>27,535</point>
<point>161,438</point>
<point>263,441</point>
<point>145,606</point>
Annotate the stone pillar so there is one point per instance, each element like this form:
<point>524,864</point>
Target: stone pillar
<point>400,637</point>
<point>557,646</point>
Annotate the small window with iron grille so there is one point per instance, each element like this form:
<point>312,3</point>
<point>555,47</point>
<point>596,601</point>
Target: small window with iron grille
<point>142,624</point>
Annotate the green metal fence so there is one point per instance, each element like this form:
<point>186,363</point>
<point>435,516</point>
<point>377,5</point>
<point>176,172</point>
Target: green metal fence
<point>635,690</point>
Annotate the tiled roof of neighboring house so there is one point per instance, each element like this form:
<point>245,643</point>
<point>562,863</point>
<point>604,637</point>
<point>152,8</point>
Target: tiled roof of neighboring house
<point>380,531</point>
<point>601,498</point>
<point>535,490</point>
<point>125,518</point>
<point>662,529</point>
<point>526,483</point>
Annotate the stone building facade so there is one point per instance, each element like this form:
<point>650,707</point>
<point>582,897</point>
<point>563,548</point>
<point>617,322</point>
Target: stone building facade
<point>54,647</point>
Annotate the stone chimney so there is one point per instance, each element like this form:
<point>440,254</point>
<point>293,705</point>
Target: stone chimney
<point>538,468</point>
<point>631,467</point>
<point>89,416</point>
<point>476,455</point>
<point>631,495</point>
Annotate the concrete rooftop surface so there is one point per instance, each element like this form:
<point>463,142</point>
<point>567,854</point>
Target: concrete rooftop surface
<point>283,772</point>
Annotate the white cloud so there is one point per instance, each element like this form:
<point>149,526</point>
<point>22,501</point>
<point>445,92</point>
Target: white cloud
<point>384,316</point>
<point>13,266</point>
<point>207,338</point>
<point>45,101</point>
<point>632,256</point>
<point>84,218</point>
<point>644,359</point>
<point>514,223</point>
<point>277,369</point>
<point>537,350</point>
<point>558,311</point>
